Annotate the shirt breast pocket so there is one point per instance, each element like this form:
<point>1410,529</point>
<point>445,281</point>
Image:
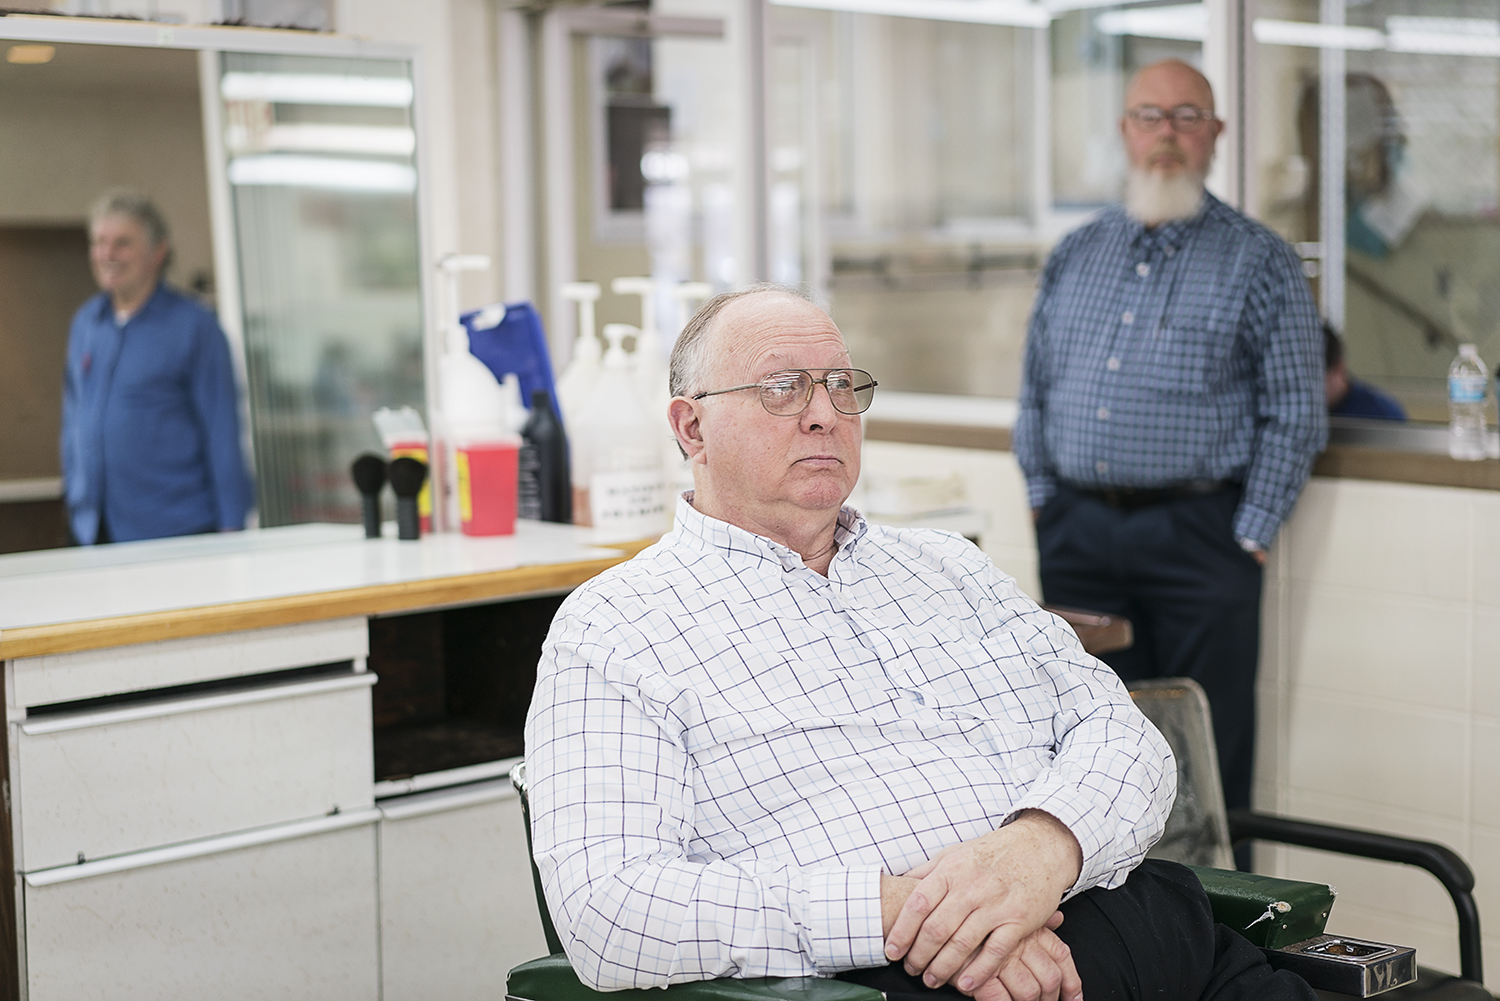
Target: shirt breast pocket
<point>1186,355</point>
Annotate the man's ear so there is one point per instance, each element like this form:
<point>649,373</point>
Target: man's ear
<point>682,415</point>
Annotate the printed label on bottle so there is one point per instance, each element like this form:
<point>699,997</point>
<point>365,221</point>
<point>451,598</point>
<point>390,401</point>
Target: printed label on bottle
<point>1466,388</point>
<point>465,488</point>
<point>528,482</point>
<point>629,505</point>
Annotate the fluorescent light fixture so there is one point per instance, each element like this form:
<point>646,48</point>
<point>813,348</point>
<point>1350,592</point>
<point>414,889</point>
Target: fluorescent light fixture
<point>317,88</point>
<point>1063,6</point>
<point>1310,34</point>
<point>30,55</point>
<point>1455,36</point>
<point>1188,22</point>
<point>375,140</point>
<point>330,173</point>
<point>1017,13</point>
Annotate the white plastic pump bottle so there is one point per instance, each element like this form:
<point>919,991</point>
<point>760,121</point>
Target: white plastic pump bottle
<point>616,453</point>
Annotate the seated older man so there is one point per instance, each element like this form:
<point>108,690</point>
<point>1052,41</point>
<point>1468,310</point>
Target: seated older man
<point>785,742</point>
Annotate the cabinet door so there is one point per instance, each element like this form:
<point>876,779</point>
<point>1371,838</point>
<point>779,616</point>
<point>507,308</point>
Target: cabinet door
<point>290,914</point>
<point>457,903</point>
<point>105,783</point>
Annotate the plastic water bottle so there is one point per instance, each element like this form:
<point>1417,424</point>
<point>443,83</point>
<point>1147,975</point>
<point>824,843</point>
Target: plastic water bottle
<point>1468,391</point>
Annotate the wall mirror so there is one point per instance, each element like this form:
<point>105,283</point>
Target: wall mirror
<point>285,164</point>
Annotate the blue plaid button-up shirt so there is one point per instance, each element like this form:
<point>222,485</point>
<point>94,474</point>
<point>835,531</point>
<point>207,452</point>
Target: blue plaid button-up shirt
<point>1159,357</point>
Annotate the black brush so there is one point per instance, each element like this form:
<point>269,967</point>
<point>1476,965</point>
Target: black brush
<point>369,479</point>
<point>407,475</point>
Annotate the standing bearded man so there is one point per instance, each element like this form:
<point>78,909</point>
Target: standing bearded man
<point>1171,409</point>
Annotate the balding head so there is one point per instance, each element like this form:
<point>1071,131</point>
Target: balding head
<point>1167,84</point>
<point>697,347</point>
<point>783,475</point>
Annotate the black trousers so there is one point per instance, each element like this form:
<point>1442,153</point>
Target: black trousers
<point>1192,594</point>
<point>1153,938</point>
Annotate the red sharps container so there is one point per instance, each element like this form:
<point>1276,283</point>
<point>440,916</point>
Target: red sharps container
<point>487,486</point>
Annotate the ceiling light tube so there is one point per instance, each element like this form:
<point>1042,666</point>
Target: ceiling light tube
<point>1015,13</point>
<point>317,88</point>
<point>1187,22</point>
<point>328,173</point>
<point>1310,34</point>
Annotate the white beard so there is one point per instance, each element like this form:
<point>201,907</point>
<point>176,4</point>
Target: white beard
<point>1153,199</point>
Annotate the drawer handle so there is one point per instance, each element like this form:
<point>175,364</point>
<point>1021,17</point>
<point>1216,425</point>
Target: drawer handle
<point>176,707</point>
<point>198,849</point>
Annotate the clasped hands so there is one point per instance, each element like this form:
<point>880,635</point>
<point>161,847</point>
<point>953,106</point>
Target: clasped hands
<point>982,915</point>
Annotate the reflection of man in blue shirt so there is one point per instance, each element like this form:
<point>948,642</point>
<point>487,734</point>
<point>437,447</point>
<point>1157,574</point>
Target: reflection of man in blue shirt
<point>150,424</point>
<point>1351,397</point>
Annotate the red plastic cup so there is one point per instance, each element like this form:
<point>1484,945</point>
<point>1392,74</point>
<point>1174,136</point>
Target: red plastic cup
<point>487,486</point>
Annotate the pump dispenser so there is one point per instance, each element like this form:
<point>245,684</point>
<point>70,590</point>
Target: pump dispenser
<point>616,453</point>
<point>577,383</point>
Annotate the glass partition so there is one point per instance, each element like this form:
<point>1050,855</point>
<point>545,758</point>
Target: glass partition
<point>654,135</point>
<point>1405,225</point>
<point>323,179</point>
<point>949,156</point>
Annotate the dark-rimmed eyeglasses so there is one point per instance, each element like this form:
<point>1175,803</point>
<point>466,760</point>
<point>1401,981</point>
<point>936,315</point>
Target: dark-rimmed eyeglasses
<point>787,394</point>
<point>1184,117</point>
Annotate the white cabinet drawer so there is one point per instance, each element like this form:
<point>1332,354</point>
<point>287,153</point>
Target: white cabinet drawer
<point>65,677</point>
<point>97,784</point>
<point>293,916</point>
<point>457,901</point>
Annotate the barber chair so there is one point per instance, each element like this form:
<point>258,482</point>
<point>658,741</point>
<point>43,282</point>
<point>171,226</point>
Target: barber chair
<point>1284,917</point>
<point>1200,834</point>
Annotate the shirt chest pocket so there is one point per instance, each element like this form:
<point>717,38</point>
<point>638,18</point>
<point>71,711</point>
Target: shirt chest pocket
<point>1187,353</point>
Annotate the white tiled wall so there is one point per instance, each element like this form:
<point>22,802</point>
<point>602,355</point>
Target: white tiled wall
<point>1379,698</point>
<point>1382,616</point>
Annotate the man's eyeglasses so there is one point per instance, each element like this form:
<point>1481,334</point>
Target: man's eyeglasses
<point>1184,117</point>
<point>787,394</point>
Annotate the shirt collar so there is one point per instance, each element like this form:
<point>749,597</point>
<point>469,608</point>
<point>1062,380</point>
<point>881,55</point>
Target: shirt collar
<point>698,531</point>
<point>107,305</point>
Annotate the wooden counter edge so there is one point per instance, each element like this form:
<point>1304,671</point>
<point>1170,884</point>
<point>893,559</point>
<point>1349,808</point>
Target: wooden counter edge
<point>207,620</point>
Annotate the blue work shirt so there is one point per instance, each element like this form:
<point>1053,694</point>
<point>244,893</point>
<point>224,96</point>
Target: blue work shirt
<point>1190,352</point>
<point>1365,400</point>
<point>151,429</point>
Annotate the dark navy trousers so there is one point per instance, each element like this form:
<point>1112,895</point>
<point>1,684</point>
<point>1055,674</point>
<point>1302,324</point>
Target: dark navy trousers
<point>1191,593</point>
<point>1153,939</point>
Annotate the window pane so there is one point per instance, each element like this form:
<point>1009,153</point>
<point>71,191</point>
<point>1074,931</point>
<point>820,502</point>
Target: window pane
<point>1421,179</point>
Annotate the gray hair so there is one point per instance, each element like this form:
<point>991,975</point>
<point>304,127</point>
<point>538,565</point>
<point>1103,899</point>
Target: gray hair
<point>695,349</point>
<point>137,206</point>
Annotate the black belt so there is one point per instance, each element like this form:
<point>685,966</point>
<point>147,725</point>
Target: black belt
<point>1130,498</point>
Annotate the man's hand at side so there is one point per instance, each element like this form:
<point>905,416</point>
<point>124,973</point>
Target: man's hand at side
<point>975,903</point>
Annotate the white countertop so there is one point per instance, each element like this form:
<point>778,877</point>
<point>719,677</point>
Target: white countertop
<point>135,578</point>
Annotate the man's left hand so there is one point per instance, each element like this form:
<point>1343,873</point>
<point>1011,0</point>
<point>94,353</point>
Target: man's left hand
<point>977,901</point>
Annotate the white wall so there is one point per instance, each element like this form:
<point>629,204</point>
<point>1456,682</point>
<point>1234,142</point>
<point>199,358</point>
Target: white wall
<point>1380,697</point>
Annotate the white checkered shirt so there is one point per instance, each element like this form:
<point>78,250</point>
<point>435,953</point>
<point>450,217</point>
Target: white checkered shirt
<point>726,748</point>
